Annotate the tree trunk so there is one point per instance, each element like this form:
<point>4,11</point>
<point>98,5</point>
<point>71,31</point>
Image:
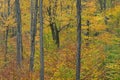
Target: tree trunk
<point>88,32</point>
<point>8,7</point>
<point>34,5</point>
<point>57,39</point>
<point>55,34</point>
<point>101,4</point>
<point>7,13</point>
<point>52,30</point>
<point>78,54</point>
<point>6,43</point>
<point>57,42</point>
<point>41,43</point>
<point>105,4</point>
<point>19,33</point>
<point>111,5</point>
<point>53,27</point>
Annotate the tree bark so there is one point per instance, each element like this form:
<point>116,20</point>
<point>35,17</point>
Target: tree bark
<point>101,4</point>
<point>8,7</point>
<point>105,4</point>
<point>34,5</point>
<point>7,28</point>
<point>78,54</point>
<point>41,43</point>
<point>19,33</point>
<point>88,32</point>
<point>6,43</point>
<point>55,34</point>
<point>53,27</point>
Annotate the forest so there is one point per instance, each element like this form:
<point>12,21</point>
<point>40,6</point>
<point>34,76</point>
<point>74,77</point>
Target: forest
<point>59,39</point>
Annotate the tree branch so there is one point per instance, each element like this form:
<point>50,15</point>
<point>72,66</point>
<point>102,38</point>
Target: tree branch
<point>64,27</point>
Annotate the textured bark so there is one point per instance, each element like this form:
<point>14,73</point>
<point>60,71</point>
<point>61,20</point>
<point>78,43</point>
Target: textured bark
<point>19,33</point>
<point>78,54</point>
<point>101,4</point>
<point>54,30</point>
<point>105,4</point>
<point>41,43</point>
<point>8,7</point>
<point>6,43</point>
<point>111,5</point>
<point>34,5</point>
<point>55,33</point>
<point>88,32</point>
<point>7,13</point>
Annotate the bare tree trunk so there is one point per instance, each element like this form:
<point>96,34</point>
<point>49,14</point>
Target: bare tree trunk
<point>53,27</point>
<point>8,7</point>
<point>55,33</point>
<point>88,32</point>
<point>41,43</point>
<point>57,42</point>
<point>111,5</point>
<point>78,54</point>
<point>34,5</point>
<point>19,33</point>
<point>101,4</point>
<point>6,14</point>
<point>6,43</point>
<point>105,4</point>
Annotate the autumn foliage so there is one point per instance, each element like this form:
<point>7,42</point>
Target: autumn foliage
<point>100,55</point>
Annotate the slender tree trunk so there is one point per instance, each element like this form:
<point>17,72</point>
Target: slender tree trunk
<point>88,32</point>
<point>6,33</point>
<point>7,13</point>
<point>19,33</point>
<point>57,42</point>
<point>101,4</point>
<point>52,30</point>
<point>57,39</point>
<point>41,43</point>
<point>105,4</point>
<point>55,34</point>
<point>53,27</point>
<point>78,54</point>
<point>6,43</point>
<point>111,5</point>
<point>34,5</point>
<point>8,7</point>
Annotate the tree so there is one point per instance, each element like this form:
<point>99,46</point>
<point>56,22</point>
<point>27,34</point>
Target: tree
<point>41,42</point>
<point>34,5</point>
<point>101,4</point>
<point>78,54</point>
<point>19,32</point>
<point>55,29</point>
<point>6,15</point>
<point>105,4</point>
<point>8,7</point>
<point>53,26</point>
<point>88,32</point>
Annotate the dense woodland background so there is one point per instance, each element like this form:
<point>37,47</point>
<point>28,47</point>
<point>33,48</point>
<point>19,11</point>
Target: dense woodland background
<point>44,40</point>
